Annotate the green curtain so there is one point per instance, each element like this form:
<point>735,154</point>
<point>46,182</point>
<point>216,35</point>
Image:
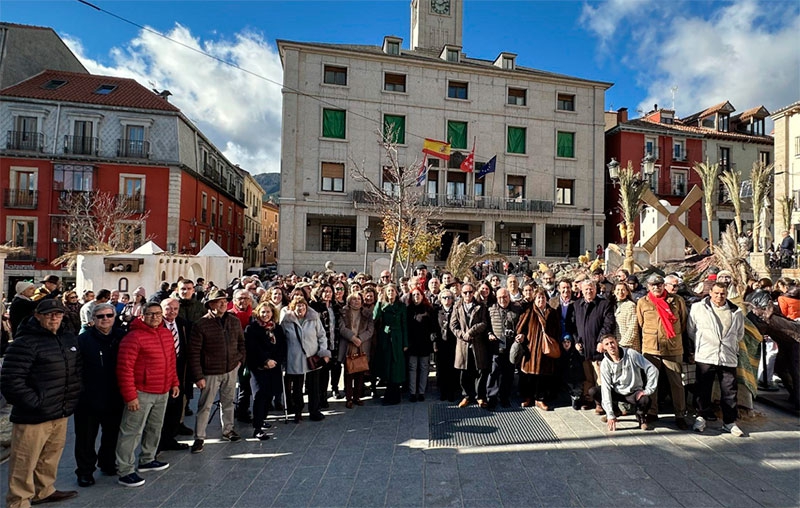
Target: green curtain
<point>333,123</point>
<point>397,125</point>
<point>516,140</point>
<point>566,144</point>
<point>457,135</point>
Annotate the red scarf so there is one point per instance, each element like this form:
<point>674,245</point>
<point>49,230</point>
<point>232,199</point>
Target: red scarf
<point>664,313</point>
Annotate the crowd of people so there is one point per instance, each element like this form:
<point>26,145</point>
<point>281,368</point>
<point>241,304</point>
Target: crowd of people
<point>127,368</point>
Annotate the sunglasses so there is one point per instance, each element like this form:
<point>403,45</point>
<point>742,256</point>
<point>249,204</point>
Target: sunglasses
<point>338,289</point>
<point>104,316</point>
<point>447,298</point>
<point>467,292</point>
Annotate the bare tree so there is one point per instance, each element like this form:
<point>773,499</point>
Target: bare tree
<point>411,228</point>
<point>708,176</point>
<point>732,180</point>
<point>761,176</point>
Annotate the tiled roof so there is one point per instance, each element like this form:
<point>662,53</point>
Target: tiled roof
<point>710,111</point>
<point>80,88</point>
<point>433,56</point>
<point>649,126</point>
<point>679,128</point>
<point>758,111</point>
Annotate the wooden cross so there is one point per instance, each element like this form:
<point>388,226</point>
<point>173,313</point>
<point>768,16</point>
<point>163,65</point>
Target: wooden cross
<point>673,219</point>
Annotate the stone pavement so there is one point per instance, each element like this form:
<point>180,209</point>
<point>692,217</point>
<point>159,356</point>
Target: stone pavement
<point>375,456</point>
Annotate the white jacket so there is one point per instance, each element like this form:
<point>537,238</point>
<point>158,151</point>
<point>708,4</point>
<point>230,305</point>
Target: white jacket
<point>311,334</point>
<point>705,329</point>
<point>625,377</point>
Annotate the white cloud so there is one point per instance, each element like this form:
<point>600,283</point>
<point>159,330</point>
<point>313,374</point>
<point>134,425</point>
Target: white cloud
<point>746,52</point>
<point>238,111</point>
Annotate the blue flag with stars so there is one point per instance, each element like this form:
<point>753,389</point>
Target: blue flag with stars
<point>487,168</point>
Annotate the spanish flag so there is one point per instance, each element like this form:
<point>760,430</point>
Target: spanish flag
<point>438,149</point>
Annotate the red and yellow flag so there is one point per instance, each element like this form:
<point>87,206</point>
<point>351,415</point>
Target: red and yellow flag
<point>438,149</point>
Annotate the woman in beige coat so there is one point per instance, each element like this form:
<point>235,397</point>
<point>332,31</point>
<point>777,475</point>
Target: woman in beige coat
<point>356,328</point>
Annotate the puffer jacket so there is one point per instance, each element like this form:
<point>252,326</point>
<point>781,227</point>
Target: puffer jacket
<point>99,354</point>
<point>146,361</point>
<point>216,346</point>
<point>705,330</point>
<point>312,336</point>
<point>41,374</point>
<point>654,337</point>
<point>790,304</point>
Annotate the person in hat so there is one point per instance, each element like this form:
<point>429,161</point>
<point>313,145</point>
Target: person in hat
<point>216,351</point>
<point>48,289</point>
<point>41,379</point>
<point>22,306</point>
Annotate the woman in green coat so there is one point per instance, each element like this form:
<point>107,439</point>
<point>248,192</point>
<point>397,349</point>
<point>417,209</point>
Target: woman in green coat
<point>389,362</point>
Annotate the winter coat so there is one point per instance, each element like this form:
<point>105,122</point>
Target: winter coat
<point>72,318</point>
<point>391,332</point>
<point>41,374</point>
<point>216,346</point>
<point>566,315</point>
<point>260,348</point>
<point>705,329</point>
<point>191,310</point>
<point>100,389</point>
<point>503,325</point>
<point>534,325</point>
<point>445,340</point>
<point>328,324</point>
<point>422,329</point>
<point>146,361</point>
<point>790,305</point>
<point>592,320</point>
<point>471,330</point>
<point>365,332</point>
<point>627,329</point>
<point>19,311</point>
<point>303,339</point>
<point>654,337</point>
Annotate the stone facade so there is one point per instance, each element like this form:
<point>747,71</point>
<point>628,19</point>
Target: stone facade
<point>787,166</point>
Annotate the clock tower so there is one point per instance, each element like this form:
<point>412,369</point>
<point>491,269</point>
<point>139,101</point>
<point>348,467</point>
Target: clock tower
<point>435,23</point>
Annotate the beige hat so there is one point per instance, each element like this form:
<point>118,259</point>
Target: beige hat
<point>22,286</point>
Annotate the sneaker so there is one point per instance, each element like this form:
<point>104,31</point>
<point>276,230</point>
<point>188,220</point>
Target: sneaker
<point>153,466</point>
<point>699,424</point>
<point>198,446</point>
<point>131,480</point>
<point>231,436</point>
<point>733,429</point>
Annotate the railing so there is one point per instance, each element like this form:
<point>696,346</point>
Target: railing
<point>670,189</point>
<point>254,212</point>
<point>133,148</point>
<point>682,156</point>
<point>24,140</point>
<point>81,145</point>
<point>204,216</point>
<point>467,202</point>
<point>28,254</point>
<point>211,172</point>
<point>66,198</point>
<point>20,198</point>
<point>132,203</point>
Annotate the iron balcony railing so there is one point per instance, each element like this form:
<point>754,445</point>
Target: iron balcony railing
<point>471,202</point>
<point>211,172</point>
<point>25,140</point>
<point>28,254</point>
<point>133,203</point>
<point>133,148</point>
<point>20,198</point>
<point>81,145</point>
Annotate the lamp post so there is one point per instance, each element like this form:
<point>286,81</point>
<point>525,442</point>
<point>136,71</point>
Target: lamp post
<point>367,234</point>
<point>632,186</point>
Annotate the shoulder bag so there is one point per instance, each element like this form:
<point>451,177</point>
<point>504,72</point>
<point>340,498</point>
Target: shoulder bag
<point>356,360</point>
<point>313,362</point>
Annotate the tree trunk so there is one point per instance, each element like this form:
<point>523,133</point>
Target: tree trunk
<point>709,213</point>
<point>629,264</point>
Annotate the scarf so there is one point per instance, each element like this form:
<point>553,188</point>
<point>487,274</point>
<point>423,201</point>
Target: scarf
<point>664,314</point>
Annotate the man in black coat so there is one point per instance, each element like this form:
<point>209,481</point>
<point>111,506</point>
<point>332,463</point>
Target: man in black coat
<point>594,317</point>
<point>503,320</point>
<point>100,403</point>
<point>173,417</point>
<point>41,379</point>
<point>22,306</point>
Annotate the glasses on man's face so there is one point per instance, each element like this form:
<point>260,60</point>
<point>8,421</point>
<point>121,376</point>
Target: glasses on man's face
<point>467,292</point>
<point>447,298</point>
<point>153,314</point>
<point>104,316</point>
<point>385,276</point>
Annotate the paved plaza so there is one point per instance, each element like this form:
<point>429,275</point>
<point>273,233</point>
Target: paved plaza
<point>379,456</point>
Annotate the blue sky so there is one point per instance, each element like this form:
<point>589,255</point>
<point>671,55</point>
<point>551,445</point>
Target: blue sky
<point>745,51</point>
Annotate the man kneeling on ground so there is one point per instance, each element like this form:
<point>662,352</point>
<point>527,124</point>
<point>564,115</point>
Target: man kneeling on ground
<point>621,374</point>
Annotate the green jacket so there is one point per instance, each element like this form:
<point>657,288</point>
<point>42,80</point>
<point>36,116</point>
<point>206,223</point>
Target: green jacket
<point>391,332</point>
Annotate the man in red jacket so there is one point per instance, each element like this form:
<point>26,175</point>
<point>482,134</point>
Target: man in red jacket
<point>147,376</point>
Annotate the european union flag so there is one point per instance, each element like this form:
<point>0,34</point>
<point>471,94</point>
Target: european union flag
<point>487,168</point>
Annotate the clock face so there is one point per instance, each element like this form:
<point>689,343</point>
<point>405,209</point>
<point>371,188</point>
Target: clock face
<point>440,6</point>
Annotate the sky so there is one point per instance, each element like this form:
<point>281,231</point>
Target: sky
<point>700,52</point>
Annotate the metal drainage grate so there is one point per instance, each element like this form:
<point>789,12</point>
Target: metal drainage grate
<point>449,425</point>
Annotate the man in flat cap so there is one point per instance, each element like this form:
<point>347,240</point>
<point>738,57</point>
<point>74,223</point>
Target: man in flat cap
<point>41,379</point>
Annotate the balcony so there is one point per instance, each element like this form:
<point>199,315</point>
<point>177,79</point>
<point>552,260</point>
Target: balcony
<point>20,198</point>
<point>24,140</point>
<point>68,199</point>
<point>28,255</point>
<point>210,171</point>
<point>254,212</point>
<point>671,189</point>
<point>132,203</point>
<point>133,148</point>
<point>81,145</point>
<point>681,156</point>
<point>204,216</point>
<point>470,202</point>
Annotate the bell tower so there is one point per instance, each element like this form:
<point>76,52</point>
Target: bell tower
<point>435,23</point>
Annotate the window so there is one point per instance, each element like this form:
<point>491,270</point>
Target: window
<point>339,238</point>
<point>708,122</point>
<point>394,128</point>
<point>213,212</point>
<point>480,185</point>
<point>72,177</point>
<point>566,102</point>
<point>457,134</point>
<point>134,144</point>
<point>230,215</point>
<point>452,55</point>
<point>565,191</point>
<point>432,187</point>
<point>27,136</point>
<point>517,96</point>
<point>724,158</point>
<point>394,82</point>
<point>723,122</point>
<point>334,123</point>
<point>23,233</point>
<point>202,237</point>
<point>565,145</point>
<point>23,191</point>
<point>515,188</point>
<point>393,48</point>
<point>516,140</point>
<point>129,234</point>
<point>332,177</point>
<point>204,210</point>
<point>651,147</point>
<point>678,182</point>
<point>652,180</point>
<point>679,150</point>
<point>389,182</point>
<point>757,127</point>
<point>457,90</point>
<point>221,212</point>
<point>132,192</point>
<point>456,187</point>
<point>797,146</point>
<point>335,75</point>
<point>105,89</point>
<point>508,63</point>
<point>54,84</point>
<point>764,158</point>
<point>82,142</point>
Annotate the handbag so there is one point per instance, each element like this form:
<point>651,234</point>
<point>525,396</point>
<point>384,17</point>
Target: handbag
<point>313,362</point>
<point>518,351</point>
<point>550,348</point>
<point>356,361</point>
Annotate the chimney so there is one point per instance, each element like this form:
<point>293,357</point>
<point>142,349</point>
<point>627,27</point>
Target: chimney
<point>622,115</point>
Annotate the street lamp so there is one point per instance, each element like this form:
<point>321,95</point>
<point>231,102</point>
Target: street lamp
<point>632,186</point>
<point>367,234</point>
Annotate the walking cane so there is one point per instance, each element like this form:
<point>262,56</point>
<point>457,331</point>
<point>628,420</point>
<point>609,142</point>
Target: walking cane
<point>285,400</point>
